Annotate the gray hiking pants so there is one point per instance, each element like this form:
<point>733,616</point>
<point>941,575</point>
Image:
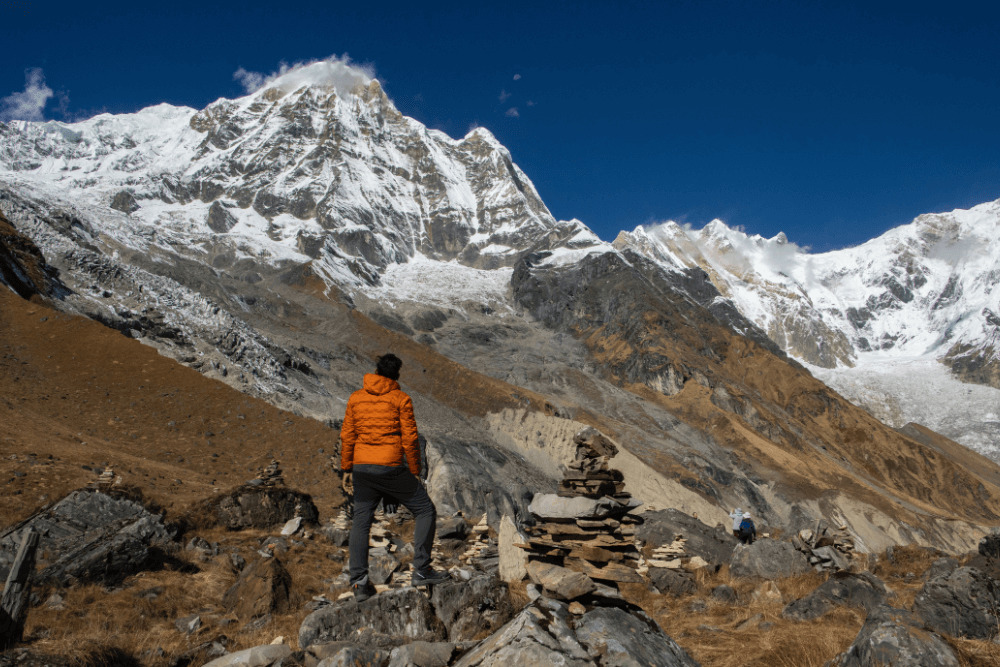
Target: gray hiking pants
<point>371,484</point>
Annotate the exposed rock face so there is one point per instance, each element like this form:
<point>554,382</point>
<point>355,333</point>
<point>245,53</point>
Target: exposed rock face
<point>22,266</point>
<point>545,633</point>
<point>258,656</point>
<point>963,602</point>
<point>125,202</point>
<point>990,546</point>
<point>93,537</point>
<point>713,544</point>
<point>513,560</point>
<point>894,637</point>
<point>422,654</point>
<point>262,588</point>
<point>767,559</point>
<point>672,582</point>
<point>857,590</point>
<point>251,506</point>
<point>470,609</point>
<point>386,619</point>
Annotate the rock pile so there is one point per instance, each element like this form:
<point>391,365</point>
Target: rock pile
<point>589,475</point>
<point>673,556</point>
<point>106,480</point>
<point>482,552</point>
<point>828,549</point>
<point>583,528</point>
<point>271,475</point>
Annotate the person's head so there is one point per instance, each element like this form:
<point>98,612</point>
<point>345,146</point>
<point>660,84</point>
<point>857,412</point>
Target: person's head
<point>388,366</point>
<point>746,515</point>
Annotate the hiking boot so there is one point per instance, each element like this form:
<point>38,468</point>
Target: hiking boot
<point>362,591</point>
<point>430,577</point>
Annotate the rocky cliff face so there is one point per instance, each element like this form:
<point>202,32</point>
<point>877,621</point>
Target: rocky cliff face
<point>279,242</point>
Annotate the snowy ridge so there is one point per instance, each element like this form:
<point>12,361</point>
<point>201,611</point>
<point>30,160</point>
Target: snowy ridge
<point>925,291</point>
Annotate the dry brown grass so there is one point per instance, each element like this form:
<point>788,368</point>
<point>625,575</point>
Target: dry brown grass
<point>975,652</point>
<point>131,622</point>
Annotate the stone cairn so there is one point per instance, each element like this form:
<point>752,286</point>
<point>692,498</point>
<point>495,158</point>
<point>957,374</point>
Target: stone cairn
<point>588,526</point>
<point>828,548</point>
<point>271,475</point>
<point>482,550</point>
<point>106,479</point>
<point>673,556</point>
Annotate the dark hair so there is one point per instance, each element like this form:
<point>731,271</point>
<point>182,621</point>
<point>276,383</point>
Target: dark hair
<point>388,365</point>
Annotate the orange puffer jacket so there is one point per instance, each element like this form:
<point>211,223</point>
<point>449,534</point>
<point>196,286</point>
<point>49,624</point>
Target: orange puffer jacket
<point>379,426</point>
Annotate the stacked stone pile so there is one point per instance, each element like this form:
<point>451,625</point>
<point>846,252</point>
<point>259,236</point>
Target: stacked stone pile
<point>106,479</point>
<point>482,552</point>
<point>588,527</point>
<point>589,475</point>
<point>828,548</point>
<point>271,475</point>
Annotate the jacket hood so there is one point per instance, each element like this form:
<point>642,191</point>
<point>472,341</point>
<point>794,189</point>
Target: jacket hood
<point>379,385</point>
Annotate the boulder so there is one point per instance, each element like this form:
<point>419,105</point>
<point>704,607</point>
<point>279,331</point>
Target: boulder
<point>90,536</point>
<point>545,633</point>
<point>252,506</point>
<point>125,202</point>
<point>355,654</point>
<point>452,527</point>
<point>830,558</point>
<point>258,656</point>
<point>513,560</point>
<point>963,603</point>
<point>768,559</point>
<point>422,654</point>
<point>894,637</point>
<point>989,546</point>
<point>550,507</point>
<point>261,589</point>
<point>942,566</point>
<point>387,619</point>
<point>381,567</point>
<point>560,582</point>
<point>715,545</point>
<point>724,593</point>
<point>672,582</point>
<point>618,637</point>
<point>485,595</point>
<point>863,590</point>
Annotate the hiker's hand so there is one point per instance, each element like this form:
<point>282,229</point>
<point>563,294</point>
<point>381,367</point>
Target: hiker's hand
<point>347,483</point>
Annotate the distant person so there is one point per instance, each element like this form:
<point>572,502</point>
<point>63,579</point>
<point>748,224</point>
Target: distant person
<point>748,532</point>
<point>737,516</point>
<point>378,430</point>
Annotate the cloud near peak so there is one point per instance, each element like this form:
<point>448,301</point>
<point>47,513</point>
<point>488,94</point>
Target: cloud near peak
<point>28,104</point>
<point>338,72</point>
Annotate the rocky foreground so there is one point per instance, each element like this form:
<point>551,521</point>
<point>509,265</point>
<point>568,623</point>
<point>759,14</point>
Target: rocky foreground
<point>254,577</point>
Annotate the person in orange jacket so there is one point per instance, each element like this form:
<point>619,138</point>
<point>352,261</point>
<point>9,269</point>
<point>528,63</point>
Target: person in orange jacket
<point>380,458</point>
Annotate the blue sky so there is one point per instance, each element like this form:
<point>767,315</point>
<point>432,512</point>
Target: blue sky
<point>830,121</point>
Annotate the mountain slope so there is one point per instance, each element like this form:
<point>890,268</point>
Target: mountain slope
<point>281,241</point>
<point>862,317</point>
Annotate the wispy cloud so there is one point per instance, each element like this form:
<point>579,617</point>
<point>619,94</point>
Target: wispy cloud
<point>504,96</point>
<point>339,72</point>
<point>517,77</point>
<point>513,113</point>
<point>28,104</point>
<point>530,103</point>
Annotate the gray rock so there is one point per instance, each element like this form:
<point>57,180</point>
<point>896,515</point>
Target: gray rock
<point>963,603</point>
<point>387,619</point>
<point>513,561</point>
<point>894,637</point>
<point>422,654</point>
<point>188,624</point>
<point>724,593</point>
<point>250,506</point>
<point>672,582</point>
<point>486,595</point>
<point>863,590</point>
<point>452,527</point>
<point>258,656</point>
<point>550,507</point>
<point>942,566</point>
<point>560,582</point>
<point>91,537</point>
<point>125,202</point>
<point>338,537</point>
<point>262,588</point>
<point>540,636</point>
<point>617,637</point>
<point>350,656</point>
<point>989,546</point>
<point>381,567</point>
<point>712,544</point>
<point>291,526</point>
<point>830,557</point>
<point>768,559</point>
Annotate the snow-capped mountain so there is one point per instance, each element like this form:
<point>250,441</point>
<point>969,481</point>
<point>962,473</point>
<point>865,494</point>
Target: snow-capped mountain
<point>307,168</point>
<point>871,319</point>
